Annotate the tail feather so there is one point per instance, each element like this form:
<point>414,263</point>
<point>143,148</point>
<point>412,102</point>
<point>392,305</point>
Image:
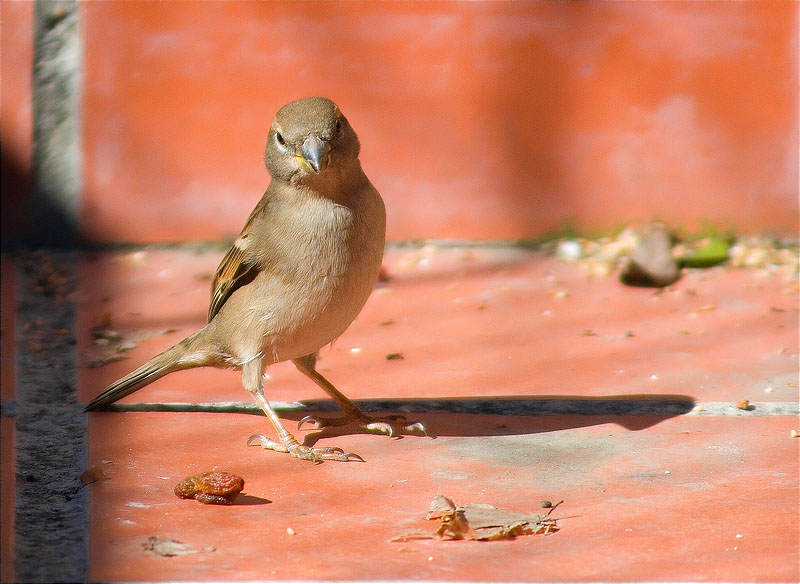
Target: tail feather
<point>184,355</point>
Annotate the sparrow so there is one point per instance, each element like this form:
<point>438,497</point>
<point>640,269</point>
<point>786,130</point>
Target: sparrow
<point>295,278</point>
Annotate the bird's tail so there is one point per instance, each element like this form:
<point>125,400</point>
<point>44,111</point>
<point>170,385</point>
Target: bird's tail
<point>184,355</point>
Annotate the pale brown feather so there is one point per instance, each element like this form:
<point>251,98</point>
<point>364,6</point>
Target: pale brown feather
<point>239,265</point>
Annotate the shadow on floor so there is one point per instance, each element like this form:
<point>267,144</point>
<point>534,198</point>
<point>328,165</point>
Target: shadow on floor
<point>504,416</point>
<point>473,416</point>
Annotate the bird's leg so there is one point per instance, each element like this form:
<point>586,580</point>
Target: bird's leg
<point>393,425</point>
<point>252,379</point>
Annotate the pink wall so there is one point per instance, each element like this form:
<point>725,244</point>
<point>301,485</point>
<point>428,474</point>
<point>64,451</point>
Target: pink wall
<point>477,119</point>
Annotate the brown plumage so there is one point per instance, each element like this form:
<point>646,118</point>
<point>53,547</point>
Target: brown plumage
<point>298,274</point>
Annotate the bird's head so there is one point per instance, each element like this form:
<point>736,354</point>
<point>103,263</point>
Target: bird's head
<point>307,137</point>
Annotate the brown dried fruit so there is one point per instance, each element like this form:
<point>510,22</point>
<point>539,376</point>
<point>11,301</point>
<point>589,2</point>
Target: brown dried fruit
<point>743,404</point>
<point>211,488</point>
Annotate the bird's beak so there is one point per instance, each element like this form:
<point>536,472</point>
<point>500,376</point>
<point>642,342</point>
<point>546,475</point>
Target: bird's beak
<point>313,154</point>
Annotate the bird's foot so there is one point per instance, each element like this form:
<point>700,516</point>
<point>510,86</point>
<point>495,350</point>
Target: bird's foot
<point>305,452</point>
<point>392,425</point>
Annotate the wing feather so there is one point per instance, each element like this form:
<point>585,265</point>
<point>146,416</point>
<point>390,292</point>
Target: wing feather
<point>238,267</point>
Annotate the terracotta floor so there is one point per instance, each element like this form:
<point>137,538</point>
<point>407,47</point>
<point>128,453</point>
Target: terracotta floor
<point>538,383</point>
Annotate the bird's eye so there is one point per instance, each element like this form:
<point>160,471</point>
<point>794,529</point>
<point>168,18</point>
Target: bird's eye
<point>279,139</point>
<point>339,126</point>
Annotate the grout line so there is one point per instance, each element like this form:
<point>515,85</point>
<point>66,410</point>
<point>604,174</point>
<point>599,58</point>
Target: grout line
<point>493,406</point>
<point>51,506</point>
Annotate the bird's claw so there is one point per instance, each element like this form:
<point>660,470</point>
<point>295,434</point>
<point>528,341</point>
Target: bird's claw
<point>417,429</point>
<point>309,420</point>
<point>392,425</point>
<point>305,452</point>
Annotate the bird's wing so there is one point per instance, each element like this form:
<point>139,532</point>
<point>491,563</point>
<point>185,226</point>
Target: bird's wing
<point>239,266</point>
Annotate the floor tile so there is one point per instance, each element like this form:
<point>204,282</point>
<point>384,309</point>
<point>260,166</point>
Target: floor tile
<point>662,476</point>
<point>685,499</point>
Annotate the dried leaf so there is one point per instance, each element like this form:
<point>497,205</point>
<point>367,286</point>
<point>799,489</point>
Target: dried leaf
<point>165,546</point>
<point>105,320</point>
<point>412,535</point>
<point>106,334</point>
<point>455,525</point>
<point>481,522</point>
<point>491,523</point>
<point>109,345</point>
<point>651,262</point>
<point>94,474</point>
<point>440,506</point>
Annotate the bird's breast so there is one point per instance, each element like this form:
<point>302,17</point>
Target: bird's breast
<point>321,271</point>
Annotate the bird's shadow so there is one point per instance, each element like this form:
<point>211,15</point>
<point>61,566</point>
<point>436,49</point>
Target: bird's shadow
<point>501,416</point>
<point>468,416</point>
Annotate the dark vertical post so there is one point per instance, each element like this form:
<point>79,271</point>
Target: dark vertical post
<point>57,83</point>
